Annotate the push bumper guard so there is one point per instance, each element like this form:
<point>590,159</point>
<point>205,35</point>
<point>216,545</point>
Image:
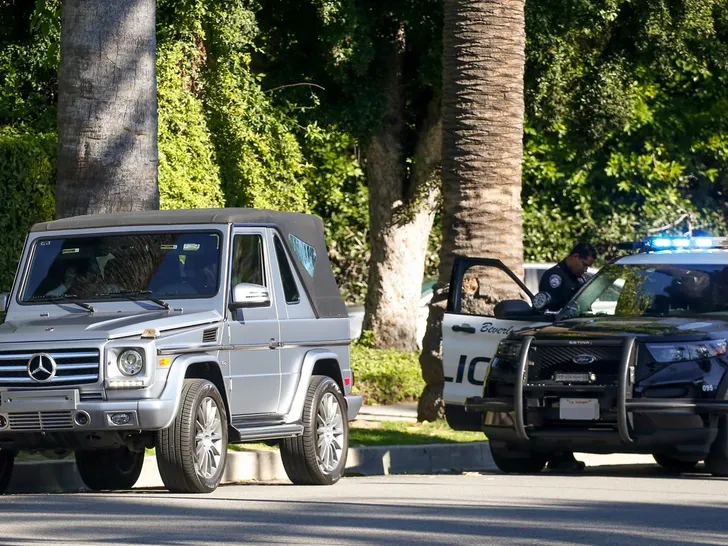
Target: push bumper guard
<point>625,403</point>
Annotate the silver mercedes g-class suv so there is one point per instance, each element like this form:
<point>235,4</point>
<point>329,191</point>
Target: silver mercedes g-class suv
<point>179,330</point>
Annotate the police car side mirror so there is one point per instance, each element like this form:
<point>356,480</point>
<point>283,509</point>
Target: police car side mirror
<point>513,310</point>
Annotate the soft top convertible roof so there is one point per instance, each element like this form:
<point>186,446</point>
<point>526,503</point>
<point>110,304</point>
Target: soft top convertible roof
<point>306,231</point>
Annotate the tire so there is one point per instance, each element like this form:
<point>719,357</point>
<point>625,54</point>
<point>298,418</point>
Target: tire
<point>675,465</point>
<point>318,456</point>
<point>717,461</point>
<point>7,463</point>
<point>517,462</point>
<point>109,469</point>
<point>192,452</point>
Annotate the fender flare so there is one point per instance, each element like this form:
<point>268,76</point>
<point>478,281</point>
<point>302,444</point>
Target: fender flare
<point>175,381</point>
<point>309,361</point>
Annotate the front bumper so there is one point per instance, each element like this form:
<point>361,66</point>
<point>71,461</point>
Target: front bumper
<point>62,411</point>
<point>632,425</point>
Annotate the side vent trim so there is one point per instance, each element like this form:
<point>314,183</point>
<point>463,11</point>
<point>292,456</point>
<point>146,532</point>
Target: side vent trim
<point>209,335</point>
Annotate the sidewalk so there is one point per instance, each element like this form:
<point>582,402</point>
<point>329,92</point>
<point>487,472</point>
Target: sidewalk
<point>396,412</point>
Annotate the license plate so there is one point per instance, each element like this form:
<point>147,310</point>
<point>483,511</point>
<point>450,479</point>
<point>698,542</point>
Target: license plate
<point>39,400</point>
<point>579,409</point>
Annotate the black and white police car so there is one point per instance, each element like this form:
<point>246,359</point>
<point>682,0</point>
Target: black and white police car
<point>635,363</point>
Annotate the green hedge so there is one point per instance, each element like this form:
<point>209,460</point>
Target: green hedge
<point>386,376</point>
<point>27,182</point>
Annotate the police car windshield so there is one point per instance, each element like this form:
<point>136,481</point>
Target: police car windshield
<point>654,290</point>
<point>113,267</point>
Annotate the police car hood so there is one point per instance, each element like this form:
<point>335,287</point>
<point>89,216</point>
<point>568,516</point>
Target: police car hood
<point>684,328</point>
<point>96,326</point>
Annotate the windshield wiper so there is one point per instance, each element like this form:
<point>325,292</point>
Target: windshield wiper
<point>65,298</point>
<point>137,295</point>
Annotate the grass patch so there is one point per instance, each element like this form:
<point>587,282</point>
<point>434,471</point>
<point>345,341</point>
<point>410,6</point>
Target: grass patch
<point>405,433</point>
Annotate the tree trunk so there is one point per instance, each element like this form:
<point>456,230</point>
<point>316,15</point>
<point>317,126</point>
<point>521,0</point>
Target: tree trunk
<point>483,64</point>
<point>107,108</point>
<point>401,211</point>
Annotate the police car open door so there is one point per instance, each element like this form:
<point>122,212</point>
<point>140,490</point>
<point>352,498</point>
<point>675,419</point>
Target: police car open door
<point>471,332</point>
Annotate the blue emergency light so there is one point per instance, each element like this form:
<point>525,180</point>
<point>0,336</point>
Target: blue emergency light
<point>676,243</point>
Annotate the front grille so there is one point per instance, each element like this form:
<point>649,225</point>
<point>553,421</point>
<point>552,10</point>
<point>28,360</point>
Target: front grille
<point>73,367</point>
<point>40,420</point>
<point>548,360</point>
<point>91,396</point>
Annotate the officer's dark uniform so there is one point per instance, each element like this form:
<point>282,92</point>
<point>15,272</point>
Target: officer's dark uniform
<point>561,284</point>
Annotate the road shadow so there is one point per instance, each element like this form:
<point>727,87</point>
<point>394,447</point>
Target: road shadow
<point>227,517</point>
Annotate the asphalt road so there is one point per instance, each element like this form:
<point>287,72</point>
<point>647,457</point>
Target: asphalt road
<point>614,505</point>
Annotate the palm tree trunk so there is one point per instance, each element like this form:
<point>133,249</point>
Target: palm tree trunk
<point>107,108</point>
<point>483,64</point>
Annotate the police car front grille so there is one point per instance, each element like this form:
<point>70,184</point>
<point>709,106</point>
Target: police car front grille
<point>73,367</point>
<point>549,360</point>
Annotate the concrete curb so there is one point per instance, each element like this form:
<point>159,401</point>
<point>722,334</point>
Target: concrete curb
<point>265,466</point>
<point>242,466</point>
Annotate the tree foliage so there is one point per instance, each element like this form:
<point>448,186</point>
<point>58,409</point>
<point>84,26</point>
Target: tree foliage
<point>626,124</point>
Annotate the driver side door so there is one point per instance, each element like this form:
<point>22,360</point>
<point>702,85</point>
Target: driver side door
<point>471,332</point>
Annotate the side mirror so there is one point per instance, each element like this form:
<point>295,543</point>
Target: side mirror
<point>249,295</point>
<point>4,300</point>
<point>513,310</point>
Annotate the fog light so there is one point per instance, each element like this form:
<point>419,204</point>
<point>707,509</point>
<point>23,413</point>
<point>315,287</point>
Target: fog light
<point>82,418</point>
<point>121,419</point>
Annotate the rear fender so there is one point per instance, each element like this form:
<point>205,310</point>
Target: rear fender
<point>309,362</point>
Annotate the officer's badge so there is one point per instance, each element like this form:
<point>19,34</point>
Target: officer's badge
<point>555,281</point>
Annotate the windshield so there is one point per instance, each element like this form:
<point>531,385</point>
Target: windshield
<point>654,290</point>
<point>103,267</point>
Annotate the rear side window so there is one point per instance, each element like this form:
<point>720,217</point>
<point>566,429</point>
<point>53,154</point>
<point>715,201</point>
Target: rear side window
<point>305,252</point>
<point>290,290</point>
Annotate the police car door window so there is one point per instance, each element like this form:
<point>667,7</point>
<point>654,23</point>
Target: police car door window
<point>483,287</point>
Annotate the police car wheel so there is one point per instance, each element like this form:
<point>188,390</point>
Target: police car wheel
<point>717,461</point>
<point>517,462</point>
<point>673,464</point>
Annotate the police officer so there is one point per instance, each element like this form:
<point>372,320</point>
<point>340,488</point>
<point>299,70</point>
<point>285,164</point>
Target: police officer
<point>561,282</point>
<point>565,279</point>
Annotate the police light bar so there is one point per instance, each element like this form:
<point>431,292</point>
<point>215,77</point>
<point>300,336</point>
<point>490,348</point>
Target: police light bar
<point>675,243</point>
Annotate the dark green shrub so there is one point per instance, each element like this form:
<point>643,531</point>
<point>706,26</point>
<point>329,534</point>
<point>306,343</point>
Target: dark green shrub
<point>27,182</point>
<point>386,376</point>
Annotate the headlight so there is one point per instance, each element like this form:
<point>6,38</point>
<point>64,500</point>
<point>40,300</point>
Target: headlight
<point>130,362</point>
<point>509,349</point>
<point>676,352</point>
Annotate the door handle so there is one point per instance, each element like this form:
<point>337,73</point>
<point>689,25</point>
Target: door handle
<point>464,328</point>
